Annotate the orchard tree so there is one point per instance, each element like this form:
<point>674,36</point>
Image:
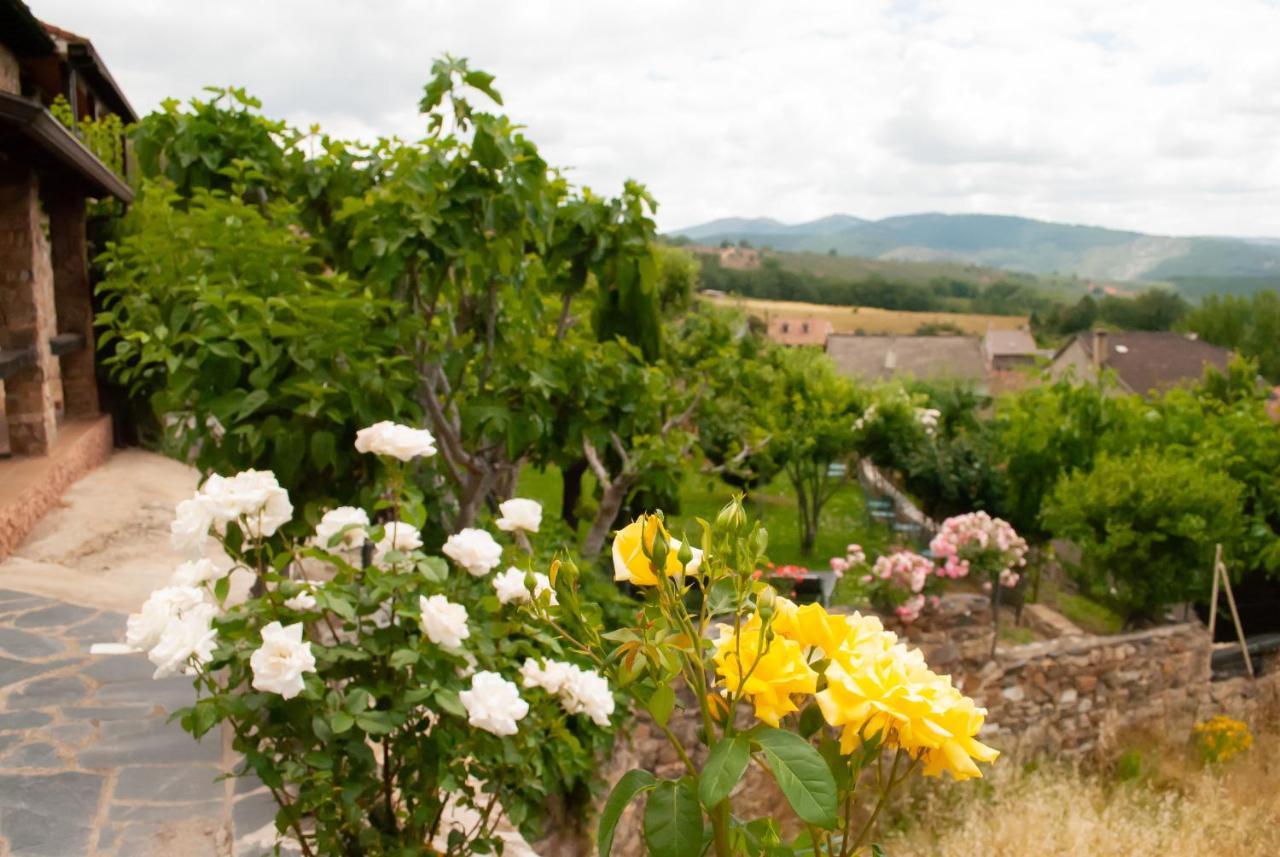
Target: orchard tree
<point>1147,525</point>
<point>486,245</point>
<point>812,411</point>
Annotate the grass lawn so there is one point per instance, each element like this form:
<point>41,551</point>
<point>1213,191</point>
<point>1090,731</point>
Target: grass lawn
<point>844,519</point>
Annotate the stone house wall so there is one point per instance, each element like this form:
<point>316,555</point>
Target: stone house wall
<point>27,312</point>
<point>9,75</point>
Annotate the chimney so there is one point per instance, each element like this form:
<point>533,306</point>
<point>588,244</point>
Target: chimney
<point>1099,350</point>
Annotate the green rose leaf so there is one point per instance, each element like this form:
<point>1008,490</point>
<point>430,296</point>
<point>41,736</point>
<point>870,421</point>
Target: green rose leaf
<point>662,703</point>
<point>340,722</point>
<point>631,784</point>
<point>673,820</point>
<point>724,768</point>
<point>802,775</point>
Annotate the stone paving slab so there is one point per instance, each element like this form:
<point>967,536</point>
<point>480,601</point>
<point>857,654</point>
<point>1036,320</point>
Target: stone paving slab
<point>90,765</point>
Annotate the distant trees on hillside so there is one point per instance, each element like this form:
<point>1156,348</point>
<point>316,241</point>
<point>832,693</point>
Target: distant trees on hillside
<point>1154,309</point>
<point>1248,325</point>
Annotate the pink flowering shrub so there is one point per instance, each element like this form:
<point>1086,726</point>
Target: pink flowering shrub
<point>977,541</point>
<point>896,582</point>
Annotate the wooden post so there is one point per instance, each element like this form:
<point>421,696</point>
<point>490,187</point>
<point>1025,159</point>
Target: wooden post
<point>1220,573</point>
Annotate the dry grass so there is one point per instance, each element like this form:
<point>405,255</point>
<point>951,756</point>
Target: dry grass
<point>870,320</point>
<point>1169,804</point>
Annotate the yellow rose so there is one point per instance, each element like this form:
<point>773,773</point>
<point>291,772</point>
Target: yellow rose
<point>813,627</point>
<point>631,560</point>
<point>774,671</point>
<point>890,691</point>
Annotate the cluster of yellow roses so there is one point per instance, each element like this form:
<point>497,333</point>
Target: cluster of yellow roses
<point>874,685</point>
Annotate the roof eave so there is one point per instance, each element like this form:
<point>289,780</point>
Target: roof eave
<point>39,126</point>
<point>23,33</point>
<point>85,59</point>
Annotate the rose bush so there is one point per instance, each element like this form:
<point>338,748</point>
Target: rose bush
<point>378,703</point>
<point>832,706</point>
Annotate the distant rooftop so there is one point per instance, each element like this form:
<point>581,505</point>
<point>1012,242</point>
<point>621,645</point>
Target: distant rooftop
<point>881,357</point>
<point>1154,360</point>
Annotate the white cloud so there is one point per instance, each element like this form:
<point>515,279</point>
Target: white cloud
<point>1159,115</point>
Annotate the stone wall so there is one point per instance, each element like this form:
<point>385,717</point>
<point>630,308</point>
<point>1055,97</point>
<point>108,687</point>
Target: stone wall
<point>1073,695</point>
<point>27,314</point>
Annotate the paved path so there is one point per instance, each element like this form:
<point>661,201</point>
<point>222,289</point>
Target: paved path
<point>89,764</point>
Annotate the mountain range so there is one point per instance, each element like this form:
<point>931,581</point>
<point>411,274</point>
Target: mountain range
<point>1012,243</point>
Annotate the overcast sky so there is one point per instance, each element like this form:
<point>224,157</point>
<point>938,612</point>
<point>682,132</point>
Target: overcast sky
<point>1159,116</point>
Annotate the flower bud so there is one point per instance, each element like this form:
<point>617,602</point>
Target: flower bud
<point>659,552</point>
<point>766,603</point>
<point>685,554</point>
<point>732,517</point>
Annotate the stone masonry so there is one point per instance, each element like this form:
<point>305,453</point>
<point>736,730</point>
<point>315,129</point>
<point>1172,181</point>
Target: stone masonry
<point>27,314</point>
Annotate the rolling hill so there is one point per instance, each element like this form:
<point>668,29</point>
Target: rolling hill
<point>1011,243</point>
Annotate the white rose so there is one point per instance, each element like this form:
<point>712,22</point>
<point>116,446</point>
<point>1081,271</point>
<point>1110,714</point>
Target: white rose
<point>186,636</point>
<point>510,586</point>
<point>587,692</point>
<point>304,600</point>
<point>353,523</point>
<point>253,497</point>
<point>197,573</point>
<point>552,678</point>
<point>474,550</point>
<point>397,441</point>
<point>278,664</point>
<point>144,629</point>
<point>493,703</point>
<point>444,622</point>
<point>520,514</point>
<point>189,531</point>
<point>397,536</point>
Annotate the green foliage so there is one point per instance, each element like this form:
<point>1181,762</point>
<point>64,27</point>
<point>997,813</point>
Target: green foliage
<point>1050,431</point>
<point>737,368</point>
<point>104,136</point>
<point>1146,524</point>
<point>810,416</point>
<point>220,317</point>
<point>1153,309</point>
<point>1249,326</point>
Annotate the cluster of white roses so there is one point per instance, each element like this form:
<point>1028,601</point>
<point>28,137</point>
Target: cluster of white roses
<point>175,625</point>
<point>580,691</point>
<point>253,499</point>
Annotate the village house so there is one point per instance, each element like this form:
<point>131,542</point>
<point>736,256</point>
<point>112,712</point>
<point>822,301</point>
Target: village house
<point>1143,361</point>
<point>794,332</point>
<point>926,358</point>
<point>50,424</point>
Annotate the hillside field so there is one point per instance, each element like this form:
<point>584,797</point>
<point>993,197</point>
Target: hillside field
<point>869,320</point>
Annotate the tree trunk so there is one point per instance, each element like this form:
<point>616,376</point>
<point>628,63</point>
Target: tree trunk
<point>610,504</point>
<point>571,482</point>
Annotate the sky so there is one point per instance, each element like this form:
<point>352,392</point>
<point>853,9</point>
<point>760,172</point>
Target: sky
<point>1162,116</point>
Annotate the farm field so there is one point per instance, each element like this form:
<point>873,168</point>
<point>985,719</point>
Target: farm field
<point>869,320</point>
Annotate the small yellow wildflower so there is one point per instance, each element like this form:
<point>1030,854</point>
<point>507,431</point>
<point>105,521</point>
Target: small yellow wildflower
<point>1221,738</point>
